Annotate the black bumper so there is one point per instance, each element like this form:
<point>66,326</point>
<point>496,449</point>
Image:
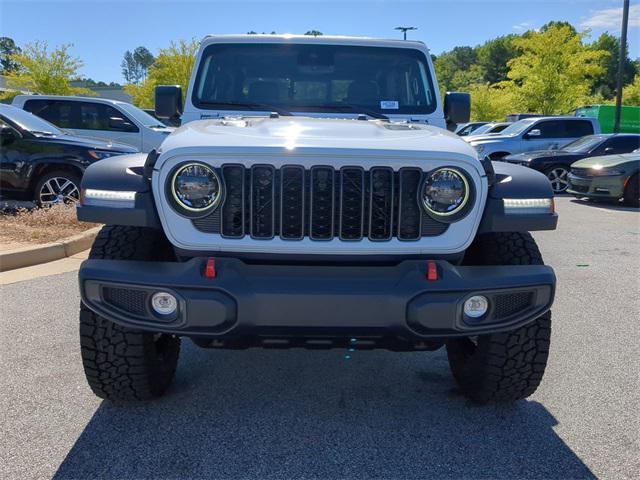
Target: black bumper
<point>284,301</point>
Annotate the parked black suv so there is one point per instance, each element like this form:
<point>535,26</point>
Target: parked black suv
<point>556,164</point>
<point>41,162</point>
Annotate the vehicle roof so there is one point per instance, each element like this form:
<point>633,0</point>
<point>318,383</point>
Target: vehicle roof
<point>310,39</point>
<point>19,99</point>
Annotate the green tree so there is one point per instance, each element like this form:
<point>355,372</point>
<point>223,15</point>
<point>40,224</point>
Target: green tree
<point>144,59</point>
<point>452,68</point>
<point>493,57</point>
<point>555,72</point>
<point>8,48</point>
<point>491,102</point>
<point>172,66</point>
<point>606,83</point>
<point>631,93</point>
<point>47,72</point>
<point>315,33</point>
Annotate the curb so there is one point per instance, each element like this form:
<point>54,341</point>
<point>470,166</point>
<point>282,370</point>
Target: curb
<point>48,252</point>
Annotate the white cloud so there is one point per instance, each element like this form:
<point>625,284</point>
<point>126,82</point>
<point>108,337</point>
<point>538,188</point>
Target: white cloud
<point>522,27</point>
<point>612,18</point>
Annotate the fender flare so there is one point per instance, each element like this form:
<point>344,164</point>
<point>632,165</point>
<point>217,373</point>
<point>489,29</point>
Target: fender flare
<point>120,173</point>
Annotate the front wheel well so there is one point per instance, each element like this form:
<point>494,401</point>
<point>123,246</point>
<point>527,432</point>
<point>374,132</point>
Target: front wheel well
<point>44,168</point>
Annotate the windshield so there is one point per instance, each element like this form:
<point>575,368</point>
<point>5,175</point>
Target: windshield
<point>584,144</point>
<point>140,115</point>
<point>28,121</point>
<point>518,127</point>
<point>314,78</point>
<point>483,129</point>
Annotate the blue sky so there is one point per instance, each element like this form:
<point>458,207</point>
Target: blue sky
<point>101,31</point>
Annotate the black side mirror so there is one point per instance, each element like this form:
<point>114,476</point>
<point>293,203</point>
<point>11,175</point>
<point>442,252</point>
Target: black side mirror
<point>116,123</point>
<point>609,150</point>
<point>7,136</point>
<point>168,101</point>
<point>457,108</point>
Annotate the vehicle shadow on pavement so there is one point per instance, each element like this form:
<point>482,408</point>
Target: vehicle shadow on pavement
<point>293,414</point>
<point>617,206</point>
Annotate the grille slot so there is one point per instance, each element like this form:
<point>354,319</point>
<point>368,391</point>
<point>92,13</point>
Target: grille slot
<point>130,300</point>
<point>351,203</point>
<point>262,201</point>
<point>507,304</point>
<point>320,203</point>
<point>233,208</point>
<point>292,188</point>
<point>381,193</point>
<point>409,212</point>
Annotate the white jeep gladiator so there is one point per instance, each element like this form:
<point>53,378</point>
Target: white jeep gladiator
<point>314,198</point>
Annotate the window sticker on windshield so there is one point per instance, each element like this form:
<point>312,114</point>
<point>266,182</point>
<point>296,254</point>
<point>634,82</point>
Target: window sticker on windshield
<point>389,104</point>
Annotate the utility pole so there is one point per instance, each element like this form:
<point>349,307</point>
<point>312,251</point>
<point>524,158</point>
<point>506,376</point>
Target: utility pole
<point>405,29</point>
<point>621,61</point>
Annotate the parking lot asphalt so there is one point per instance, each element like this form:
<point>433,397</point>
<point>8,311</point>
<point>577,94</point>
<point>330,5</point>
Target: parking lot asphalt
<point>301,414</point>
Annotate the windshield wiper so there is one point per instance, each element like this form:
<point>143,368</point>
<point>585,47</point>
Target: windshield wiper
<point>353,109</point>
<point>251,106</point>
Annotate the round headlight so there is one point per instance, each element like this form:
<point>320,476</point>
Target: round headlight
<point>445,192</point>
<point>196,188</point>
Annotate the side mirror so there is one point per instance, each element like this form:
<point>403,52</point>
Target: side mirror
<point>116,123</point>
<point>7,136</point>
<point>457,108</point>
<point>168,101</point>
<point>534,133</point>
<point>609,150</point>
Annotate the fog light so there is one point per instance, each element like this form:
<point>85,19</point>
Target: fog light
<point>164,303</point>
<point>476,306</point>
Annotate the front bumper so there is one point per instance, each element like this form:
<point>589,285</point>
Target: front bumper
<point>596,187</point>
<point>315,302</point>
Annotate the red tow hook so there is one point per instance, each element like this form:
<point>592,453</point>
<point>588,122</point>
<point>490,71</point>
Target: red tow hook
<point>432,271</point>
<point>210,269</point>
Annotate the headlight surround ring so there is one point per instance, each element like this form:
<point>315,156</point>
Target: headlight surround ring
<point>207,197</point>
<point>463,206</point>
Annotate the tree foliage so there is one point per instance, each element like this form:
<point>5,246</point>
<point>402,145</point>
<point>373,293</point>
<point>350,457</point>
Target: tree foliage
<point>8,48</point>
<point>631,93</point>
<point>135,65</point>
<point>555,72</point>
<point>172,66</point>
<point>47,72</point>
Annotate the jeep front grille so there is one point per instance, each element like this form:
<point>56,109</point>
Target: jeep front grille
<point>321,203</point>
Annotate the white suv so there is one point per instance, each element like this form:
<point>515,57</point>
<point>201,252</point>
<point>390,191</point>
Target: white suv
<point>100,118</point>
<point>540,133</point>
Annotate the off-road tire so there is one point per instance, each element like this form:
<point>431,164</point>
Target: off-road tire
<point>121,363</point>
<point>631,191</point>
<point>502,367</point>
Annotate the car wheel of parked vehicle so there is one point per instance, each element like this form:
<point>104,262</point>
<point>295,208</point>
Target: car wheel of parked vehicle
<point>121,363</point>
<point>632,191</point>
<point>558,176</point>
<point>504,366</point>
<point>57,187</point>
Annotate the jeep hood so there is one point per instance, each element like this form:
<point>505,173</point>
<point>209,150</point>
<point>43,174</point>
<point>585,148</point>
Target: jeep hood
<point>291,133</point>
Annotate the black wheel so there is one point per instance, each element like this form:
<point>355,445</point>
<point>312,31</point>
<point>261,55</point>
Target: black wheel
<point>57,187</point>
<point>502,367</point>
<point>632,191</point>
<point>122,363</point>
<point>558,176</point>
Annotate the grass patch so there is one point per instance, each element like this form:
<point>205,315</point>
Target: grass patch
<point>41,225</point>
